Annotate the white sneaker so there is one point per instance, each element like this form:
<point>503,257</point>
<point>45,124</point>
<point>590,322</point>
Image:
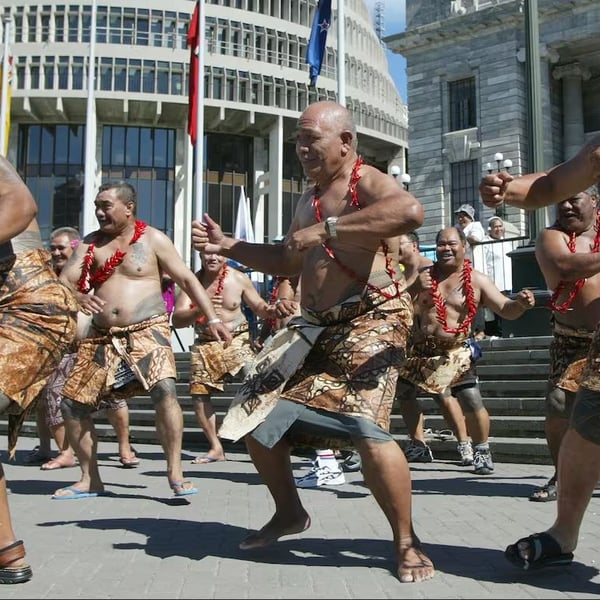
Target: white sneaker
<point>321,476</point>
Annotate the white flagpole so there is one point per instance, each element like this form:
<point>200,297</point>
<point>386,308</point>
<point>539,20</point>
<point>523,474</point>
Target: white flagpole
<point>5,75</point>
<point>89,180</point>
<point>198,211</point>
<point>341,53</point>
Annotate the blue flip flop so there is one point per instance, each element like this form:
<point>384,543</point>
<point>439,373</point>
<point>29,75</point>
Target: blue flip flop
<point>179,490</point>
<point>76,494</point>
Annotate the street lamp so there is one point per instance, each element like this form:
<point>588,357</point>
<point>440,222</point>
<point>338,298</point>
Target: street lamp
<point>405,179</point>
<point>395,170</point>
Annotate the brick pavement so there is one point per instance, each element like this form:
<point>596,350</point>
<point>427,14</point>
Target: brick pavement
<point>140,544</point>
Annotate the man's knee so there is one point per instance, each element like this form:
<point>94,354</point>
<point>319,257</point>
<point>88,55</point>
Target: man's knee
<point>556,404</point>
<point>585,418</point>
<point>470,399</point>
<point>74,410</point>
<point>163,390</point>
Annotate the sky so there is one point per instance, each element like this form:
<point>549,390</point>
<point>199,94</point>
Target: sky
<point>394,22</point>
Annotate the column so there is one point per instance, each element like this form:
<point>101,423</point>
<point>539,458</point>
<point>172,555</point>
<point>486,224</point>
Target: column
<point>572,76</point>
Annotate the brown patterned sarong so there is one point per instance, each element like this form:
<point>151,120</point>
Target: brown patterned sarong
<point>52,393</point>
<point>568,354</point>
<point>434,364</point>
<point>343,360</point>
<point>37,325</point>
<point>212,364</point>
<point>144,348</point>
<point>590,375</point>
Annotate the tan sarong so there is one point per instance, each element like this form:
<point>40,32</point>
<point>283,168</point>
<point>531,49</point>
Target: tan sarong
<point>211,363</point>
<point>568,356</point>
<point>105,355</point>
<point>37,325</point>
<point>435,364</point>
<point>343,360</point>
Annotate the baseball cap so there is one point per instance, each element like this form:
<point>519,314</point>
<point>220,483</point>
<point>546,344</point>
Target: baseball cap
<point>467,209</point>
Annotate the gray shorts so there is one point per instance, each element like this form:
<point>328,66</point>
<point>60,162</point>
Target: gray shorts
<point>585,417</point>
<point>289,418</point>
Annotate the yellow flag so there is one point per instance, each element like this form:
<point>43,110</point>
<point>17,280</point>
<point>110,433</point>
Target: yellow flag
<point>8,99</point>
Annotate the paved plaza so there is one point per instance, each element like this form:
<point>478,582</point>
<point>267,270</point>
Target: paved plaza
<point>139,543</point>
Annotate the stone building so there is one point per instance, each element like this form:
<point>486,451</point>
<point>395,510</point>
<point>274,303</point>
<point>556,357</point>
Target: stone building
<point>469,90</point>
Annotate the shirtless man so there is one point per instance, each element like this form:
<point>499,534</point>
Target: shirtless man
<point>212,364</point>
<point>316,382</point>
<point>128,346</point>
<point>37,324</point>
<point>416,448</point>
<point>579,456</point>
<point>440,358</point>
<point>575,313</point>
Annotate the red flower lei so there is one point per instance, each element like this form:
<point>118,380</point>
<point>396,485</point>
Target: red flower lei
<point>440,303</point>
<point>88,282</point>
<point>354,179</point>
<point>560,288</point>
<point>218,292</point>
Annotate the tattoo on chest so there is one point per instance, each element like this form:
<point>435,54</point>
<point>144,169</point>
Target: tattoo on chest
<point>139,254</point>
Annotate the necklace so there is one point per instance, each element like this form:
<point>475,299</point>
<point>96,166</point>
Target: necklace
<point>352,185</point>
<point>88,282</point>
<point>218,292</point>
<point>560,288</point>
<point>440,303</point>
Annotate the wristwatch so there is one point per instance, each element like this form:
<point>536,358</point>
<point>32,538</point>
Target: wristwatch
<point>331,227</point>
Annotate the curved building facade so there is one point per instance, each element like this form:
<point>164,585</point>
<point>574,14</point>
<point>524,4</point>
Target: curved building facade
<point>256,83</point>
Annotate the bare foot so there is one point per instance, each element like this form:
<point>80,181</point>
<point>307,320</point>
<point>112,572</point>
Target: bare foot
<point>414,566</point>
<point>207,459</point>
<point>273,530</point>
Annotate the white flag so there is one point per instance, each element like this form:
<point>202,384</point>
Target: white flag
<point>243,223</point>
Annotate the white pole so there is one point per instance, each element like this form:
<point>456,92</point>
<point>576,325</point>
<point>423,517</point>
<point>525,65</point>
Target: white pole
<point>198,211</point>
<point>89,179</point>
<point>5,71</point>
<point>341,53</point>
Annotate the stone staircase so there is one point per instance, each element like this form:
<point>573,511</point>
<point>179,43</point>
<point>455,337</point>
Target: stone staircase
<point>512,372</point>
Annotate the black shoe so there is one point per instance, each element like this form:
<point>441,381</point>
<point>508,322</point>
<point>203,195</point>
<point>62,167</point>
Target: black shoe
<point>351,462</point>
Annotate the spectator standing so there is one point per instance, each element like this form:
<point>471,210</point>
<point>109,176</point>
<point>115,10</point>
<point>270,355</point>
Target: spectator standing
<point>498,268</point>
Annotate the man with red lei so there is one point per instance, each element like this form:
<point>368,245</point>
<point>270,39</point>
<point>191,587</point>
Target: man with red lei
<point>211,364</point>
<point>328,378</point>
<point>575,284</point>
<point>127,349</point>
<point>560,252</point>
<point>440,357</point>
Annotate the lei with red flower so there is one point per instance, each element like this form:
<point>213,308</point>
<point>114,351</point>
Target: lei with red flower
<point>218,292</point>
<point>440,303</point>
<point>560,288</point>
<point>91,281</point>
<point>354,179</point>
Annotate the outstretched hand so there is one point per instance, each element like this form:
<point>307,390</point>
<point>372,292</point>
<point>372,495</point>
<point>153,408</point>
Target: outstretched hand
<point>493,186</point>
<point>207,236</point>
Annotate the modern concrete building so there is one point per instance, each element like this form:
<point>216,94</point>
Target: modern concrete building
<point>469,88</point>
<point>256,84</point>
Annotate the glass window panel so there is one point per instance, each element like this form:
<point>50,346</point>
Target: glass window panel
<point>146,147</point>
<point>120,76</point>
<point>62,145</point>
<point>76,144</point>
<point>135,76</point>
<point>149,74</point>
<point>132,152</point>
<point>160,147</point>
<point>461,95</point>
<point>47,145</point>
<point>118,146</point>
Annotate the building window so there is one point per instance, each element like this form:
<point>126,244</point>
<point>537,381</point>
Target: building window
<point>50,159</point>
<point>145,158</point>
<point>463,112</point>
<point>464,187</point>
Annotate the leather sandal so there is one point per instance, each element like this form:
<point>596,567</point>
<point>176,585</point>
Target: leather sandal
<point>8,555</point>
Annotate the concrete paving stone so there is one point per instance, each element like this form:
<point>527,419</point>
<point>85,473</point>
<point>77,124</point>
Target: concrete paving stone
<point>139,543</point>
